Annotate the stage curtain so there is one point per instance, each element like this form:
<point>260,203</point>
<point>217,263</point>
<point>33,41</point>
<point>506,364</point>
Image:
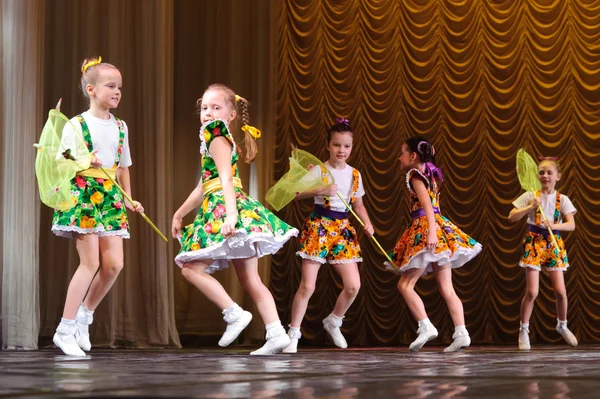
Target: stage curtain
<point>21,39</point>
<point>480,79</point>
<point>168,52</point>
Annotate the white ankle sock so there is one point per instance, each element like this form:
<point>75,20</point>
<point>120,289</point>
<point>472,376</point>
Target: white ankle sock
<point>274,325</point>
<point>336,318</point>
<point>87,311</point>
<point>424,322</point>
<point>230,309</point>
<point>462,330</point>
<point>85,316</point>
<point>294,329</point>
<point>562,323</point>
<point>66,327</point>
<point>274,329</point>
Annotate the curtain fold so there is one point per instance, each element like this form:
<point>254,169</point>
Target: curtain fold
<point>480,79</point>
<point>22,85</point>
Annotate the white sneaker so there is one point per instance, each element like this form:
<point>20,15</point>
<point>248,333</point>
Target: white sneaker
<point>426,332</point>
<point>567,335</point>
<point>64,339</point>
<point>277,341</point>
<point>236,322</point>
<point>524,343</point>
<point>82,334</point>
<point>294,335</point>
<point>461,340</point>
<point>332,325</point>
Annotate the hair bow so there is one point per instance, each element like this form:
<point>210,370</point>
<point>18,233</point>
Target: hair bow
<point>254,132</point>
<point>91,64</point>
<point>343,121</point>
<point>431,171</point>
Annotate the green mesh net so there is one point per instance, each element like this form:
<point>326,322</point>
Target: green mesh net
<point>55,165</point>
<point>297,180</point>
<point>527,171</point>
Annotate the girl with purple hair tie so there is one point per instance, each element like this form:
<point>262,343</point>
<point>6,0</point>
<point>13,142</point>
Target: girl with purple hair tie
<point>431,243</point>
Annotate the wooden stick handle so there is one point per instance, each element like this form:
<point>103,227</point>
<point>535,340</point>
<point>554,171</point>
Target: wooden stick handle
<point>146,218</point>
<point>549,229</point>
<point>363,225</point>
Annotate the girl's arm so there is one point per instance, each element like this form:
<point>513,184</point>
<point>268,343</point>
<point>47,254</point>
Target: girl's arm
<point>421,191</point>
<point>361,211</point>
<point>220,149</point>
<point>517,214</point>
<point>124,180</point>
<point>569,225</point>
<point>329,191</point>
<point>193,201</point>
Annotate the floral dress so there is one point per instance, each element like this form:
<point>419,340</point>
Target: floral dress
<point>538,249</point>
<point>454,246</point>
<point>328,236</point>
<point>99,207</point>
<point>258,231</point>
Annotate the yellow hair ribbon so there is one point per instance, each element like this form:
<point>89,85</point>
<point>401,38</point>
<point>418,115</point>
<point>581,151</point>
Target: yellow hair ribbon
<point>91,64</point>
<point>238,98</point>
<point>254,132</point>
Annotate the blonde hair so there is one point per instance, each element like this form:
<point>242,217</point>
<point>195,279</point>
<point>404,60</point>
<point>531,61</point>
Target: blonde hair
<point>552,161</point>
<point>249,142</point>
<point>90,72</point>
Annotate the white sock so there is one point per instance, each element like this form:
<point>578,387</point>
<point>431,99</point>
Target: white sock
<point>87,311</point>
<point>425,322</point>
<point>230,309</point>
<point>274,329</point>
<point>336,318</point>
<point>274,326</point>
<point>524,326</point>
<point>461,330</point>
<point>562,323</point>
<point>66,327</point>
<point>84,316</point>
<point>294,329</point>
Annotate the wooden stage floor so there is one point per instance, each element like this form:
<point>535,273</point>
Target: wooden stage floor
<point>479,372</point>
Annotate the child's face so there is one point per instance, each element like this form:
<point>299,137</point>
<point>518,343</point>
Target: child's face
<point>340,146</point>
<point>106,93</point>
<point>548,174</point>
<point>407,157</point>
<point>214,106</point>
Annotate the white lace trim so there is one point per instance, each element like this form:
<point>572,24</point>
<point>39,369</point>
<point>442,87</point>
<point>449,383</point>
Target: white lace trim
<point>409,175</point>
<point>548,269</point>
<point>345,261</point>
<point>67,231</point>
<point>424,259</point>
<point>313,258</point>
<point>323,261</point>
<point>203,148</point>
<point>241,246</point>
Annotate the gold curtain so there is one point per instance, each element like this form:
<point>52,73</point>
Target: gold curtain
<point>481,79</point>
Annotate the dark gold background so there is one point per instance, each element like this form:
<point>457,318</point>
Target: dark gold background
<point>480,79</point>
